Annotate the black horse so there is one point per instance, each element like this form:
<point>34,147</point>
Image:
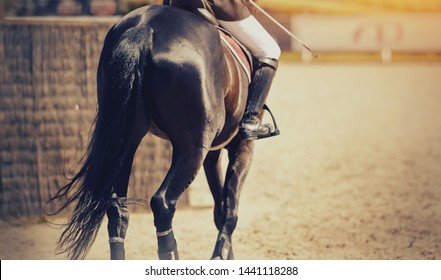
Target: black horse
<point>162,70</point>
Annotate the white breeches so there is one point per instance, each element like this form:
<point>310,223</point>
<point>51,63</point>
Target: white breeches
<point>254,36</point>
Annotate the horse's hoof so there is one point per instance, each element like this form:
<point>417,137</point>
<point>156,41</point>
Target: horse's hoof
<point>223,249</point>
<point>167,246</point>
<point>173,255</point>
<point>230,254</point>
<point>117,251</point>
<point>170,255</point>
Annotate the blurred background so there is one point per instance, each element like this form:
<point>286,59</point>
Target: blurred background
<point>339,29</point>
<point>86,7</point>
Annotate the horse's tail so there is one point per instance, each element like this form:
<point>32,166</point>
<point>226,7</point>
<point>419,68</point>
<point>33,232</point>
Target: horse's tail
<point>120,74</point>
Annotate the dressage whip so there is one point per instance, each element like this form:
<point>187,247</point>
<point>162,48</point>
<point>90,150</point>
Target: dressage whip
<point>283,28</point>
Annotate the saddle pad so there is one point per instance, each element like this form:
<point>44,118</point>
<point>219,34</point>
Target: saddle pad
<point>238,53</point>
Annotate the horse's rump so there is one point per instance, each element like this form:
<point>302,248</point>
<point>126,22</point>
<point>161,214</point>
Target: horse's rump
<point>190,70</point>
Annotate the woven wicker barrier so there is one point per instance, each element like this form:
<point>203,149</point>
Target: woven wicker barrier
<point>47,105</point>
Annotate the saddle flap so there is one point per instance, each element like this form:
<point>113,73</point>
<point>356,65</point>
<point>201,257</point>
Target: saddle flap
<point>239,51</point>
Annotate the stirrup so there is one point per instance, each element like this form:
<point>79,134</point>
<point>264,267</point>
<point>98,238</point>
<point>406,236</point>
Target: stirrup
<point>254,135</point>
<point>276,130</point>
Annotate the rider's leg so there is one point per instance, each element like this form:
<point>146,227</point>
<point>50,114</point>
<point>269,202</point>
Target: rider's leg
<point>263,46</point>
<point>254,36</point>
<point>251,126</point>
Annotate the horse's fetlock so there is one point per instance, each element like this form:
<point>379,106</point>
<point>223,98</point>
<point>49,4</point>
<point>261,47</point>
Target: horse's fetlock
<point>118,217</point>
<point>167,242</point>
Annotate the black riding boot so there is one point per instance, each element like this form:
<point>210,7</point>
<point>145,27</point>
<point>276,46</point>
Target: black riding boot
<point>251,127</point>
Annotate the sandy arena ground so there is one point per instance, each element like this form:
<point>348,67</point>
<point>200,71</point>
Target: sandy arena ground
<point>356,174</point>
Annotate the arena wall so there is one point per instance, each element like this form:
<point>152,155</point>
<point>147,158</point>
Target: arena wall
<point>47,106</point>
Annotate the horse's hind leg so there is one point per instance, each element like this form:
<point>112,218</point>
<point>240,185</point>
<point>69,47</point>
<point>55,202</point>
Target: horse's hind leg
<point>185,165</point>
<point>118,221</point>
<point>117,213</point>
<point>240,155</point>
<point>213,172</point>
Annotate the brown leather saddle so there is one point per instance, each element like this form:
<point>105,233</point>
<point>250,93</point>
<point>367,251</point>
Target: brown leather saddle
<point>203,8</point>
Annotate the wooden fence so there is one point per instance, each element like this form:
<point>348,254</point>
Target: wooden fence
<point>47,105</point>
